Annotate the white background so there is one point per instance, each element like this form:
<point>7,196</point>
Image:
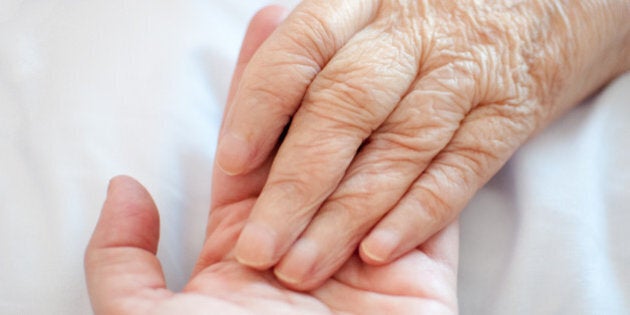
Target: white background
<point>92,89</point>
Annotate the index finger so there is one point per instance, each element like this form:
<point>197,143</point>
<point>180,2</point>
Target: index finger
<point>344,104</point>
<point>275,81</point>
<point>227,189</point>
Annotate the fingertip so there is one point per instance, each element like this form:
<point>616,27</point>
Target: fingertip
<point>296,283</point>
<point>255,247</point>
<point>368,257</point>
<point>129,217</point>
<point>379,247</point>
<point>233,154</point>
<point>125,187</point>
<point>297,269</point>
<point>115,181</point>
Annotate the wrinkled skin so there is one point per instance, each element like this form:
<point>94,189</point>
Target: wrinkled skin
<point>125,277</point>
<point>399,111</point>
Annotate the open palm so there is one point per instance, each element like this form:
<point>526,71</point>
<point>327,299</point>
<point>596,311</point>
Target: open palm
<point>125,277</point>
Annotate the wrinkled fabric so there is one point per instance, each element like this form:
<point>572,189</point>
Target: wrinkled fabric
<point>92,89</point>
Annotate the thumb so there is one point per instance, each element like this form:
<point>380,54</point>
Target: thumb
<point>120,261</point>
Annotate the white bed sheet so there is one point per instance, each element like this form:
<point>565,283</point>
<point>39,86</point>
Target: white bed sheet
<point>92,89</point>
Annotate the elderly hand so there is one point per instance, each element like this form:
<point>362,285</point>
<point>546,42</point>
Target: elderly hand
<point>124,275</point>
<point>399,111</point>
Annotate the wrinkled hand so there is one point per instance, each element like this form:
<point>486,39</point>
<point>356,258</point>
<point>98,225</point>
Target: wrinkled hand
<point>399,112</point>
<point>125,277</point>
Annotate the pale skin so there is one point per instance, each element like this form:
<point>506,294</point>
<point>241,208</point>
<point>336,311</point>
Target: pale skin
<point>399,112</point>
<point>124,275</point>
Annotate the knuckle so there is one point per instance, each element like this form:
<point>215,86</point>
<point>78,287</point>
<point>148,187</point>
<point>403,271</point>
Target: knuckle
<point>504,86</point>
<point>314,35</point>
<point>433,207</point>
<point>489,137</point>
<point>361,187</point>
<point>507,118</point>
<point>452,85</point>
<point>474,163</point>
<point>319,148</point>
<point>419,146</point>
<point>347,87</point>
<point>360,95</point>
<point>402,21</point>
<point>354,212</point>
<point>461,171</point>
<point>299,203</point>
<point>269,94</point>
<point>414,134</point>
<point>304,190</point>
<point>296,194</point>
<point>350,97</point>
<point>287,185</point>
<point>264,82</point>
<point>339,111</point>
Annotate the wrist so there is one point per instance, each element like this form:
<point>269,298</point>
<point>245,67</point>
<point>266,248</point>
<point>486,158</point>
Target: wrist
<point>612,30</point>
<point>576,48</point>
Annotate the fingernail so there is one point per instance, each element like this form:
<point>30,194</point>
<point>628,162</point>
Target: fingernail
<point>256,246</point>
<point>299,264</point>
<point>233,154</point>
<point>380,245</point>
